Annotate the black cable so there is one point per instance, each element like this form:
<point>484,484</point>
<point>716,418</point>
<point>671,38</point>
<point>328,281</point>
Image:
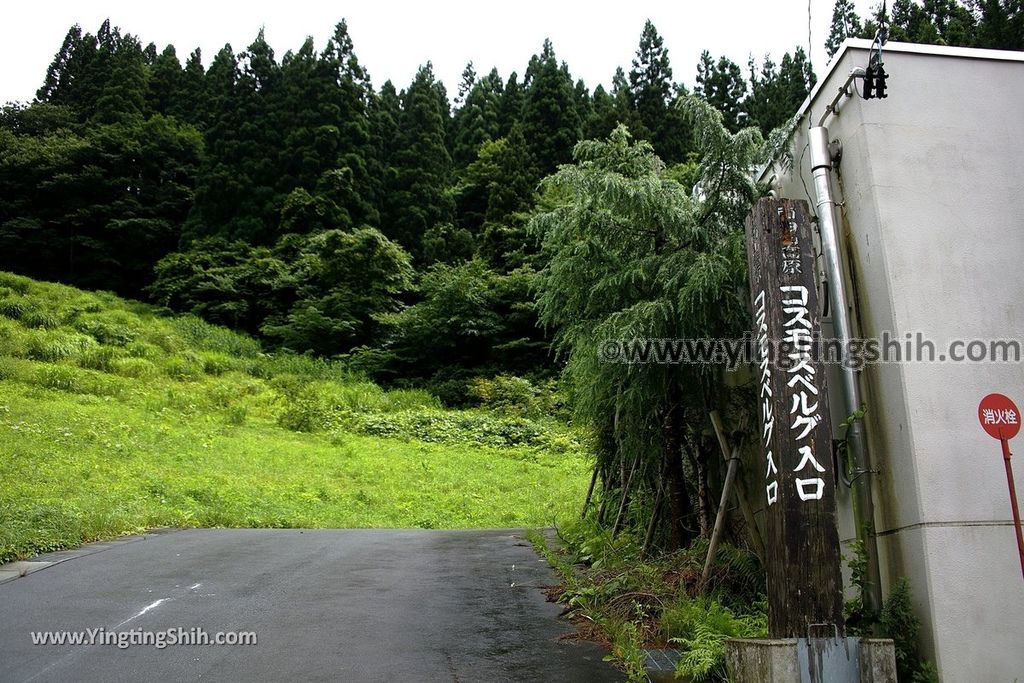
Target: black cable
<point>810,63</point>
<point>803,181</point>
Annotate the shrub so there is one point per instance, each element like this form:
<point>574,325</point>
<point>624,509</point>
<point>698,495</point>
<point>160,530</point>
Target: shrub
<point>14,307</point>
<point>202,335</point>
<point>163,338</point>
<point>13,339</point>
<point>410,399</point>
<point>77,381</point>
<point>305,412</point>
<point>217,363</point>
<point>36,318</point>
<point>56,345</point>
<point>358,397</point>
<point>452,392</point>
<point>100,358</point>
<point>506,394</point>
<point>17,283</point>
<point>140,349</point>
<point>14,369</point>
<point>236,414</point>
<point>184,366</point>
<point>114,327</point>
<point>898,621</point>
<point>701,627</point>
<point>228,390</point>
<point>518,396</point>
<point>445,427</point>
<point>274,365</point>
<point>137,368</point>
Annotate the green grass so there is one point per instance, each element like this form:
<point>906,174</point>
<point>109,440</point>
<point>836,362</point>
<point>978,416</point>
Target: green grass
<point>642,601</point>
<point>115,418</point>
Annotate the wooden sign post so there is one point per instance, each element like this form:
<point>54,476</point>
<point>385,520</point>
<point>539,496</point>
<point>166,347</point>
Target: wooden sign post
<point>802,546</point>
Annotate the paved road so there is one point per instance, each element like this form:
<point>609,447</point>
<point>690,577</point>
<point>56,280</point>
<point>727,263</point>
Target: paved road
<point>326,605</point>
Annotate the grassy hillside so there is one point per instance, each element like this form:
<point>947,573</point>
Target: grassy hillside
<point>114,418</point>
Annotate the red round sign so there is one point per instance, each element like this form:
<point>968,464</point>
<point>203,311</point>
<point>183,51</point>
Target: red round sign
<point>999,416</point>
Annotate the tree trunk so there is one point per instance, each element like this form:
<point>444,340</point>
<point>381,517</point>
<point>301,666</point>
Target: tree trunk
<point>653,524</point>
<point>675,478</point>
<point>624,501</point>
<point>703,490</point>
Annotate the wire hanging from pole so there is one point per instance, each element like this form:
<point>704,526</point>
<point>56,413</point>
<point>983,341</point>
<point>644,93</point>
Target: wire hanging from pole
<point>810,61</point>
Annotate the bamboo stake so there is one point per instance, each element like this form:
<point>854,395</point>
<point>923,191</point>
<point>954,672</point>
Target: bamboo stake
<point>649,536</point>
<point>605,491</point>
<point>730,477</point>
<point>624,502</point>
<point>741,495</point>
<point>590,490</point>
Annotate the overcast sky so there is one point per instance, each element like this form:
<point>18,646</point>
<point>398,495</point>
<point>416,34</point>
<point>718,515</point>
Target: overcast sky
<point>393,38</point>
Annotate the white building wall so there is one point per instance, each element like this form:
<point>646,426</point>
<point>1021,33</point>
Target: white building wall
<point>932,180</point>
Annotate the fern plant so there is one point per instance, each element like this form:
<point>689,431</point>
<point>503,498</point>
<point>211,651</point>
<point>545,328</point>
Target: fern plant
<point>701,627</point>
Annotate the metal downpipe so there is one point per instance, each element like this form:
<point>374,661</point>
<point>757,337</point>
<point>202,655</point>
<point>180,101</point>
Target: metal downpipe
<point>864,509</point>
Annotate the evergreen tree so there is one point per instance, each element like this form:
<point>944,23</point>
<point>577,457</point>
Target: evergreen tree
<point>504,168</point>
<point>777,92</point>
<point>550,119</point>
<point>353,94</point>
<point>1000,24</point>
<point>384,110</point>
<point>845,24</point>
<point>634,254</point>
<point>510,109</point>
<point>418,197</point>
<point>119,72</point>
<point>673,140</point>
<point>650,86</point>
<point>584,103</point>
<point>166,80</point>
<point>492,196</point>
<point>934,22</point>
<point>65,82</point>
<point>721,84</point>
<point>478,119</point>
<point>465,85</point>
<point>240,194</point>
<point>101,77</point>
<point>97,206</point>
<point>306,120</point>
<point>651,92</point>
<point>223,187</point>
<point>953,22</point>
<point>194,106</point>
<point>626,114</point>
<point>604,116</point>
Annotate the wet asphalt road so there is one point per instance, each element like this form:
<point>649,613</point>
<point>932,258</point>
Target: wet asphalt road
<point>326,605</point>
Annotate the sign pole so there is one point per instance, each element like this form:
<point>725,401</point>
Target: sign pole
<point>1013,502</point>
<point>1000,418</point>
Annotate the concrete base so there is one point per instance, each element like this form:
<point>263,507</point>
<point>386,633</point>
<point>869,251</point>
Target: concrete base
<point>811,660</point>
